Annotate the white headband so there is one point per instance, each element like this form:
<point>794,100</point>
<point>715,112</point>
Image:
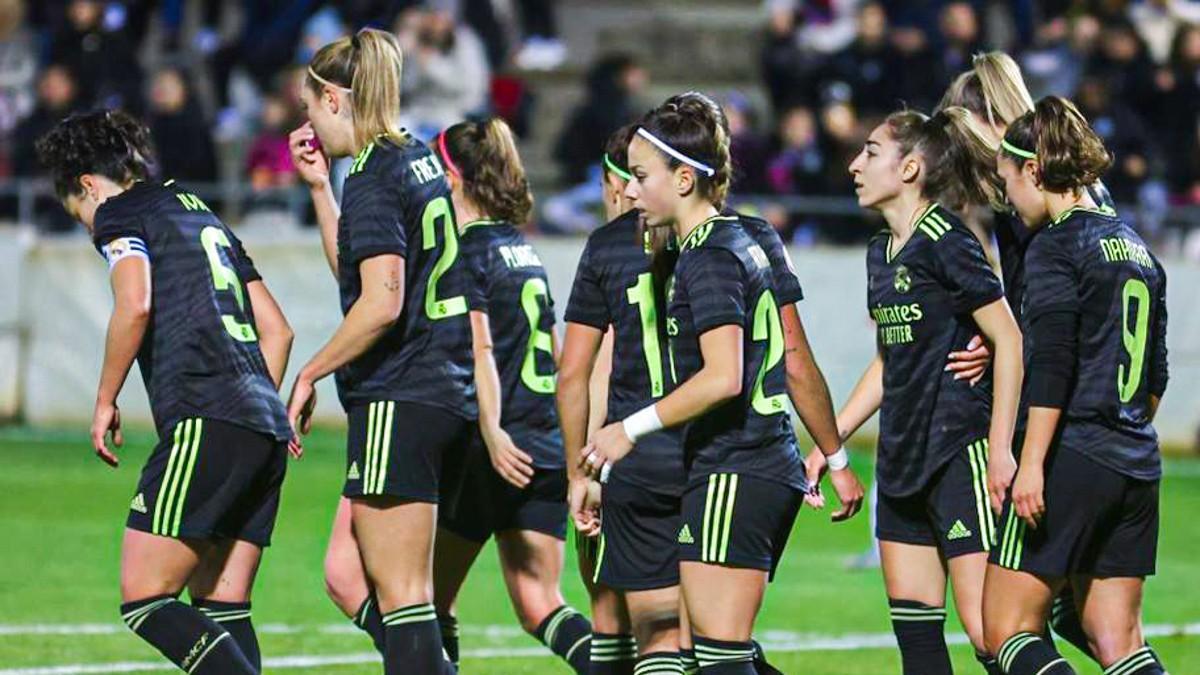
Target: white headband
<point>326,82</point>
<point>662,145</point>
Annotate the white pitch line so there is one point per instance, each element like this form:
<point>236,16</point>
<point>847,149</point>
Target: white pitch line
<point>772,641</point>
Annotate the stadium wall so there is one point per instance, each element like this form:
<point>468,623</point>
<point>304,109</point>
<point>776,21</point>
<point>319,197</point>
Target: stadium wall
<point>55,301</point>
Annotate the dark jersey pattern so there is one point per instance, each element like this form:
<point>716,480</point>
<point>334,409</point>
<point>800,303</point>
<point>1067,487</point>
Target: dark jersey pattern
<point>200,355</point>
<point>507,282</point>
<point>787,284</point>
<point>921,299</point>
<point>396,201</point>
<point>1012,240</point>
<point>724,277</point>
<point>614,287</point>
<point>1092,263</point>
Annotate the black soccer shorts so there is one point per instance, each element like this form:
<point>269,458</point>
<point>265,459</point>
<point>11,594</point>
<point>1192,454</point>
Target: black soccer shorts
<point>737,520</point>
<point>210,479</point>
<point>639,535</point>
<point>395,448</point>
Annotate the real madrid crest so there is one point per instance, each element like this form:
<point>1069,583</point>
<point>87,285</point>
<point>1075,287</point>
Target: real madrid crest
<point>903,280</point>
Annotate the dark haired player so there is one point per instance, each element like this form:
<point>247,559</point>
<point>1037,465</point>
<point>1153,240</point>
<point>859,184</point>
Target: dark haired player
<point>212,346</point>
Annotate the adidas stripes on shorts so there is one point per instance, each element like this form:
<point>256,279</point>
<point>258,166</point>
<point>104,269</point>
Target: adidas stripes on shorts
<point>737,520</point>
<point>208,479</point>
<point>951,512</point>
<point>395,448</point>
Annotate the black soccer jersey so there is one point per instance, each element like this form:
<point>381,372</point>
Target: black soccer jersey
<point>1012,239</point>
<point>787,284</point>
<point>615,287</point>
<point>921,299</point>
<point>396,201</point>
<point>724,277</point>
<point>506,281</point>
<point>200,355</point>
<point>1092,263</point>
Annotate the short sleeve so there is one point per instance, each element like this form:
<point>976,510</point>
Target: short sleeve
<point>1158,358</point>
<point>118,235</point>
<point>716,288</point>
<point>783,272</point>
<point>963,269</point>
<point>1053,282</point>
<point>587,304</point>
<point>371,219</point>
<point>242,261</point>
<point>475,263</point>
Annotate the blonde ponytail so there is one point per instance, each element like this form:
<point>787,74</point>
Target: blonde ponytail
<point>368,65</point>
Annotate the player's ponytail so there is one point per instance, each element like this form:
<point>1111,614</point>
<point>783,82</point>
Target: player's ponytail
<point>106,142</point>
<point>695,128</point>
<point>993,89</point>
<point>959,166</point>
<point>1058,137</point>
<point>484,155</point>
<point>367,65</point>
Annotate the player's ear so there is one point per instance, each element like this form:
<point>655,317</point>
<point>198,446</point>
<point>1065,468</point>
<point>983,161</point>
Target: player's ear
<point>685,180</point>
<point>910,168</point>
<point>1033,171</point>
<point>87,183</point>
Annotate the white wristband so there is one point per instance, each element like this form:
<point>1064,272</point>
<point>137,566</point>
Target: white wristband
<point>642,422</point>
<point>838,460</point>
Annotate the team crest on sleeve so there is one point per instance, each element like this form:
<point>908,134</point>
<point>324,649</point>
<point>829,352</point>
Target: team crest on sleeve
<point>124,247</point>
<point>903,280</point>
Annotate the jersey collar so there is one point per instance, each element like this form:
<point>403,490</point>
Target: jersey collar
<point>699,233</point>
<point>1106,211</point>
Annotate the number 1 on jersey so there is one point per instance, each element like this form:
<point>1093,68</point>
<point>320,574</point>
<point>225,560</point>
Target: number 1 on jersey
<point>1129,379</point>
<point>642,295</point>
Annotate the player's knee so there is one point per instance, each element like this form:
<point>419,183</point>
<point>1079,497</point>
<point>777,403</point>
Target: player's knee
<point>995,634</point>
<point>344,585</point>
<point>973,626</point>
<point>1111,645</point>
<point>534,605</point>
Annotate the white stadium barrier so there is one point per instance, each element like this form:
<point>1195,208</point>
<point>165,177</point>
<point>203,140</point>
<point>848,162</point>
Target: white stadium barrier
<point>55,300</point>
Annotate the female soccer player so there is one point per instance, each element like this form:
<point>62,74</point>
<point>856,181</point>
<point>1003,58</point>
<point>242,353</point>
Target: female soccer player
<point>514,484</point>
<point>402,352</point>
<point>930,290</point>
<point>1083,508</point>
<point>213,347</point>
<point>745,479</point>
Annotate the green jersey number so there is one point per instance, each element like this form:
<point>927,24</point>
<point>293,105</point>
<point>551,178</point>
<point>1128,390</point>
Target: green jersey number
<point>539,340</point>
<point>225,278</point>
<point>768,327</point>
<point>439,209</point>
<point>1129,379</point>
<point>642,295</point>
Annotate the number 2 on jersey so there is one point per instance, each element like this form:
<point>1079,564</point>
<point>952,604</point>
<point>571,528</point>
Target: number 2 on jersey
<point>539,340</point>
<point>642,295</point>
<point>225,278</point>
<point>439,209</point>
<point>1129,379</point>
<point>767,326</point>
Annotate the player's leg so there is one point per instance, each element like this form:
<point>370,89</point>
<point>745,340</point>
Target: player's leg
<point>346,580</point>
<point>613,649</point>
<point>654,614</point>
<point>1015,605</point>
<point>453,556</point>
<point>532,564</point>
<point>722,603</point>
<point>154,570</point>
<point>221,588</point>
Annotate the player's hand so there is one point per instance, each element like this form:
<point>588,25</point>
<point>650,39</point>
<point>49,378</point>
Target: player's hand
<point>1027,494</point>
<point>301,404</point>
<point>607,446</point>
<point>1000,471</point>
<point>972,363</point>
<point>512,463</point>
<point>850,493</point>
<point>583,500</point>
<point>815,467</point>
<point>310,160</point>
<point>107,418</point>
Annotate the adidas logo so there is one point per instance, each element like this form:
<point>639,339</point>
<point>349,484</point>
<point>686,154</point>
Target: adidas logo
<point>959,531</point>
<point>352,474</point>
<point>685,535</point>
<point>138,504</point>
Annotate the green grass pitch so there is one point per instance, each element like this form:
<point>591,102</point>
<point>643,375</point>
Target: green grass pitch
<point>62,512</point>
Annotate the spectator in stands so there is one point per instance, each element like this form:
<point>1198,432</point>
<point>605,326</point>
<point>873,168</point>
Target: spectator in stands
<point>446,73</point>
<point>104,61</point>
<point>1158,21</point>
<point>1125,66</point>
<point>917,69</point>
<point>18,67</point>
<point>177,125</point>
<point>1123,134</point>
<point>798,166</point>
<point>1063,48</point>
<point>540,48</point>
<point>800,38</point>
<point>868,65</point>
<point>748,149</point>
<point>613,85</point>
<point>1179,85</point>
<point>57,97</point>
<point>960,39</point>
<point>269,162</point>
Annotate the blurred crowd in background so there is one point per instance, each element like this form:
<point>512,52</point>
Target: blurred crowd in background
<point>216,81</point>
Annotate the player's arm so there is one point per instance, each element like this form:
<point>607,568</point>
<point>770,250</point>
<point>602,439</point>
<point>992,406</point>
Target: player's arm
<point>377,308</point>
<point>513,464</point>
<point>864,399</point>
<point>598,386</point>
<point>1158,374</point>
<point>313,167</point>
<point>717,381</point>
<point>997,323</point>
<point>575,371</point>
<point>275,335</point>
<point>809,393</point>
<point>126,329</point>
